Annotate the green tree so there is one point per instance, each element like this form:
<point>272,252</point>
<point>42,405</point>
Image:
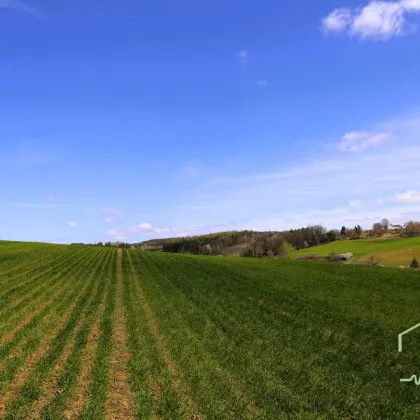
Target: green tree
<point>343,232</point>
<point>286,250</point>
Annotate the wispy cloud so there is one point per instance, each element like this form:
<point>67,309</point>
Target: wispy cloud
<point>162,230</point>
<point>328,186</point>
<point>410,196</point>
<point>73,224</point>
<point>114,211</point>
<point>379,19</point>
<point>243,57</point>
<point>144,226</point>
<point>28,153</point>
<point>43,205</point>
<point>21,6</point>
<point>358,141</point>
<point>262,83</point>
<point>112,232</point>
<point>109,220</point>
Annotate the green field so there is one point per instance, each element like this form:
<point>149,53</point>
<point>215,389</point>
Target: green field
<point>92,333</point>
<point>391,252</point>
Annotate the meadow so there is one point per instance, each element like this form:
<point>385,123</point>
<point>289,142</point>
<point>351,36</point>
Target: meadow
<point>91,333</point>
<point>390,252</point>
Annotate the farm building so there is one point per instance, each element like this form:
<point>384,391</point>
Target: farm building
<point>395,228</point>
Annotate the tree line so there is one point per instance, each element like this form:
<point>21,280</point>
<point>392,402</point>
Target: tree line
<point>249,243</point>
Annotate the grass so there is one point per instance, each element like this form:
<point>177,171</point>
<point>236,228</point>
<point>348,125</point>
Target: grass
<point>181,336</point>
<point>391,252</point>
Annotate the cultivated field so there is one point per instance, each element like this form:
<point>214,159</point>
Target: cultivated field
<point>391,252</point>
<point>95,333</point>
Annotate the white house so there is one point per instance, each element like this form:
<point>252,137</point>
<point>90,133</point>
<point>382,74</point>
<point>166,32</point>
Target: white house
<point>394,228</point>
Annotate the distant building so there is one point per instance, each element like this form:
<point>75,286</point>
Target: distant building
<point>394,228</point>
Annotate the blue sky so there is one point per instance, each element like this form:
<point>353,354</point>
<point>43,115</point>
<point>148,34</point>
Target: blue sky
<point>130,120</point>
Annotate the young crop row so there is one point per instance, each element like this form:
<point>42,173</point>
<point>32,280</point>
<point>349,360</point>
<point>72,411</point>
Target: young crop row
<point>17,255</point>
<point>63,318</point>
<point>106,333</point>
<point>275,340</point>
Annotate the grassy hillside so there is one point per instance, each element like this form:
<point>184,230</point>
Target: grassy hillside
<point>89,332</point>
<point>391,252</point>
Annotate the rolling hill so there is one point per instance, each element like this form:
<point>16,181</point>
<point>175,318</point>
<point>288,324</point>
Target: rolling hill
<point>390,252</point>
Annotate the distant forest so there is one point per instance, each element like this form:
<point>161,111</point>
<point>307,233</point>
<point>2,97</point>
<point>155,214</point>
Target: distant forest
<point>246,243</point>
<point>269,244</point>
<point>249,243</point>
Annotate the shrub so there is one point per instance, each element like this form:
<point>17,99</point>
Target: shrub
<point>374,261</point>
<point>286,250</point>
<point>333,257</point>
<point>414,264</point>
<point>247,253</point>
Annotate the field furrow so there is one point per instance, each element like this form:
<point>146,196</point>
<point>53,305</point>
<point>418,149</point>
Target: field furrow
<point>151,383</point>
<point>189,408</point>
<point>27,386</point>
<point>95,405</point>
<point>200,365</point>
<point>225,333</point>
<point>19,288</point>
<point>13,263</point>
<point>30,301</point>
<point>60,385</point>
<point>30,332</point>
<point>119,402</point>
<point>43,347</point>
<point>106,333</point>
<point>33,267</point>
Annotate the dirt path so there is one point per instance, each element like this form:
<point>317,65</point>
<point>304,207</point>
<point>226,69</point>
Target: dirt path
<point>120,402</point>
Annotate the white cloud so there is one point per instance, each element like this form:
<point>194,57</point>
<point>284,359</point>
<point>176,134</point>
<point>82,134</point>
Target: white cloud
<point>144,226</point>
<point>262,83</point>
<point>114,211</point>
<point>162,230</point>
<point>410,196</point>
<point>194,226</point>
<point>117,234</point>
<point>109,220</point>
<point>411,5</point>
<point>42,205</point>
<point>20,6</point>
<point>337,20</point>
<point>380,20</point>
<point>73,224</point>
<point>355,203</point>
<point>377,20</point>
<point>327,180</point>
<point>243,57</point>
<point>357,141</point>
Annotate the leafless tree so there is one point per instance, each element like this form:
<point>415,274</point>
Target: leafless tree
<point>385,223</point>
<point>377,229</point>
